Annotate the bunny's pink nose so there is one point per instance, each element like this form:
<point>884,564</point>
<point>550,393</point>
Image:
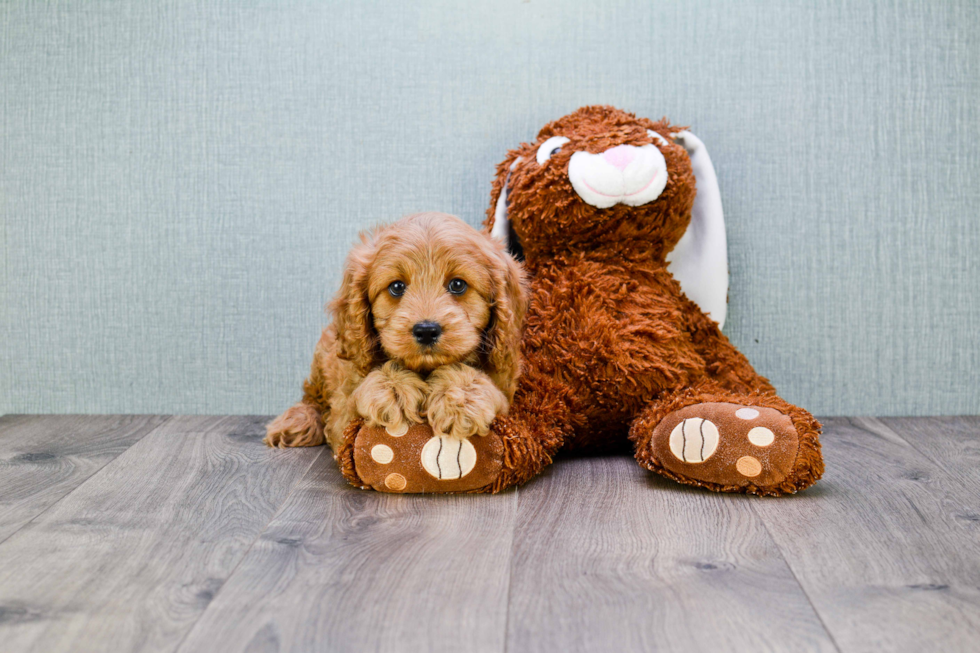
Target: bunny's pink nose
<point>619,156</point>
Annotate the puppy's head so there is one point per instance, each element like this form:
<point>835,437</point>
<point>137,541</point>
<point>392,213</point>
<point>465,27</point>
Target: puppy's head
<point>430,290</point>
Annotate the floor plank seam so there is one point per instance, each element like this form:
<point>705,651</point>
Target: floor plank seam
<point>272,518</point>
<point>510,567</point>
<point>799,584</point>
<point>924,452</point>
<point>95,473</point>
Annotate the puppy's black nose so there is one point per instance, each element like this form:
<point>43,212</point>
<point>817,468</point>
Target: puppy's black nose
<point>426,333</point>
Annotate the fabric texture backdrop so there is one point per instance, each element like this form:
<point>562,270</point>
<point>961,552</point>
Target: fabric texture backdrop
<point>181,180</point>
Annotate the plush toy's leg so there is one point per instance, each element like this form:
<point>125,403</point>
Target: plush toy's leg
<point>729,441</point>
<point>519,445</point>
<point>532,431</point>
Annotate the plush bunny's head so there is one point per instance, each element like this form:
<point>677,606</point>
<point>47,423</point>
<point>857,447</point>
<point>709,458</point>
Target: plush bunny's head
<point>598,177</point>
<point>602,181</point>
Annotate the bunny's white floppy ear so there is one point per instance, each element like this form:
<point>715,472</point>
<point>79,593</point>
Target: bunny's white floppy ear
<point>501,223</point>
<point>699,262</point>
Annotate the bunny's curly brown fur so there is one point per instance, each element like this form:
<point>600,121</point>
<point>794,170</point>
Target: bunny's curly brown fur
<point>612,346</point>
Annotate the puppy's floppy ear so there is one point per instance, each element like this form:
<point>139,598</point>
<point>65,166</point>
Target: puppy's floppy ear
<point>503,335</point>
<point>357,341</point>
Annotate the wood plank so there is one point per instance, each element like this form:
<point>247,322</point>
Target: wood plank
<point>43,458</point>
<point>342,569</point>
<point>609,557</point>
<point>953,443</point>
<point>884,545</point>
<point>131,558</point>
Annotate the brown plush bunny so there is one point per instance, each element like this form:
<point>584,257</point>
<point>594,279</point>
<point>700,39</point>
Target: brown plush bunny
<point>622,341</point>
<point>613,345</point>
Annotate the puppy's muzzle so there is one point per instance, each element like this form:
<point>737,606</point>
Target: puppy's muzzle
<point>426,333</point>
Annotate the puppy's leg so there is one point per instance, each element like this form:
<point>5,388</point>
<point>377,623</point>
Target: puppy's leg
<point>462,401</point>
<point>300,426</point>
<point>391,397</point>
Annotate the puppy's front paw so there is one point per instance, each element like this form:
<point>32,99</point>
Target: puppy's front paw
<point>391,397</point>
<point>462,402</point>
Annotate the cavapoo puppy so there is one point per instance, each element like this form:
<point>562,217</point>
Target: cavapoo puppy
<point>426,327</point>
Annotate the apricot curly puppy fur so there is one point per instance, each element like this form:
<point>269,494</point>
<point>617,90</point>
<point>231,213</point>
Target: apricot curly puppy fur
<point>427,325</point>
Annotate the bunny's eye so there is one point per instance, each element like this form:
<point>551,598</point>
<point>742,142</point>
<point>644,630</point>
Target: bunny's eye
<point>549,148</point>
<point>657,137</point>
<point>396,288</point>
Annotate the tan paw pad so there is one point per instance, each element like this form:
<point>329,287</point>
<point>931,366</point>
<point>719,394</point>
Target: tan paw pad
<point>397,431</point>
<point>448,458</point>
<point>760,436</point>
<point>727,444</point>
<point>382,453</point>
<point>694,440</point>
<point>395,482</point>
<point>748,466</point>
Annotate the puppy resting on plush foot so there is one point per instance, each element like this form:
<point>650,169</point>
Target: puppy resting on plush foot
<point>427,327</point>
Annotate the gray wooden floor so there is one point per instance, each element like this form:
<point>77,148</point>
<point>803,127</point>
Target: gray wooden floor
<point>186,534</point>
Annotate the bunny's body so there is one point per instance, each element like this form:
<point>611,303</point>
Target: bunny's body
<point>615,351</point>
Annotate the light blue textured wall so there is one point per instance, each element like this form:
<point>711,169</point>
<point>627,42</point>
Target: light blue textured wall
<point>180,180</point>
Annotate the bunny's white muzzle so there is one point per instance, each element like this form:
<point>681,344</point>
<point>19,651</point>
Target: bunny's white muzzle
<point>624,174</point>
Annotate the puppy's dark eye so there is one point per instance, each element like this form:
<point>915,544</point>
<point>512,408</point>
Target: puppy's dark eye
<point>457,286</point>
<point>396,288</point>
